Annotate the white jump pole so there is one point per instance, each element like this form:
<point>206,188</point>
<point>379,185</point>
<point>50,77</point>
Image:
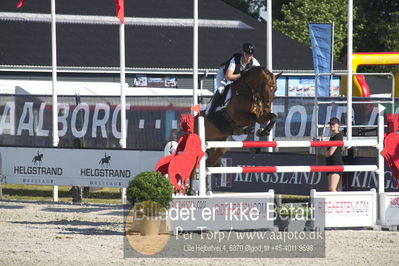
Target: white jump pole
<point>349,69</point>
<point>122,85</point>
<point>291,144</point>
<point>380,147</point>
<point>291,169</point>
<point>269,52</point>
<point>195,54</point>
<point>54,85</point>
<point>122,96</point>
<point>201,126</point>
<point>269,44</point>
<point>202,169</point>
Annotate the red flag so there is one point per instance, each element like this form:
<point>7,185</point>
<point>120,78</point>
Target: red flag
<point>120,10</point>
<point>20,3</point>
<point>196,108</point>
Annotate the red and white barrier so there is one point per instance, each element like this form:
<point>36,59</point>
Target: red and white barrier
<point>377,143</point>
<point>288,144</point>
<point>292,169</point>
<point>388,215</point>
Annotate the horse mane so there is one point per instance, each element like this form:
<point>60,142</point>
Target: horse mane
<point>253,69</point>
<point>249,72</point>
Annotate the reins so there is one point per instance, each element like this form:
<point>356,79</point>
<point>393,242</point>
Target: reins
<point>254,92</point>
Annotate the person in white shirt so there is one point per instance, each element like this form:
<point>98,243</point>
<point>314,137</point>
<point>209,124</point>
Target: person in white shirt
<point>230,71</point>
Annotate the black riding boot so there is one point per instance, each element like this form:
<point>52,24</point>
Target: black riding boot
<point>216,99</point>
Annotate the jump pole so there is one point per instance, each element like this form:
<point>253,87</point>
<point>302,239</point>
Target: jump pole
<point>292,169</point>
<point>195,54</point>
<point>269,51</point>
<point>349,70</point>
<point>55,139</point>
<point>202,169</point>
<point>287,144</point>
<point>380,147</point>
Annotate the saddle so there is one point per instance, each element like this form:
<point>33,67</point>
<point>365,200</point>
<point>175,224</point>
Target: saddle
<point>222,119</point>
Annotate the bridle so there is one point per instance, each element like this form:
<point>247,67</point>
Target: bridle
<point>261,99</point>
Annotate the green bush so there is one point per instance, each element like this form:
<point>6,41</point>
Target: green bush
<point>150,186</point>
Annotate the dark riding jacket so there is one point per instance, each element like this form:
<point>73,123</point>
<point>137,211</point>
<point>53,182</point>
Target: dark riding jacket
<point>237,60</point>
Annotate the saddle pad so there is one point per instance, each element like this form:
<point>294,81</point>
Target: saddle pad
<point>226,99</point>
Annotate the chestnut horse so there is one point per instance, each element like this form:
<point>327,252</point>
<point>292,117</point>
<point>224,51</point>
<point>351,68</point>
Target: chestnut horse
<point>250,103</point>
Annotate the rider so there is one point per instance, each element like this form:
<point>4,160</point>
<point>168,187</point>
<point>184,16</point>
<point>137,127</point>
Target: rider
<point>230,71</point>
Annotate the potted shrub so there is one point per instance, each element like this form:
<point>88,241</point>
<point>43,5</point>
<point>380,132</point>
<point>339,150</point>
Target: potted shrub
<point>150,193</point>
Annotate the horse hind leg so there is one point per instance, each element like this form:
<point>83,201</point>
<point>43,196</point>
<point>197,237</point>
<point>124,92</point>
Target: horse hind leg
<point>214,156</point>
<point>189,185</point>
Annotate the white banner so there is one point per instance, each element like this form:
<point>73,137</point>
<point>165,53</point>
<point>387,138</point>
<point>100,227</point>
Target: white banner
<point>69,167</point>
<point>224,211</point>
<point>389,208</point>
<point>344,209</point>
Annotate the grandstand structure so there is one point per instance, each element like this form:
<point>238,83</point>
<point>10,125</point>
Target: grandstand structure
<point>158,45</point>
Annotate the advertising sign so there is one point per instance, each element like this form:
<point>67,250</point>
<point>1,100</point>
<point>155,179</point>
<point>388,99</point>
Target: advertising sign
<point>69,167</point>
<point>294,183</point>
<point>360,181</point>
<point>151,121</point>
<point>281,183</point>
<point>155,82</point>
<point>345,209</point>
<point>389,211</point>
<point>216,213</point>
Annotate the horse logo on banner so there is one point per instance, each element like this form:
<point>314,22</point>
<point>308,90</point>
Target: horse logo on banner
<point>37,159</point>
<point>105,161</point>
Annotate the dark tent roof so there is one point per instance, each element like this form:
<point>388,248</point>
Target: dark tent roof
<point>27,43</point>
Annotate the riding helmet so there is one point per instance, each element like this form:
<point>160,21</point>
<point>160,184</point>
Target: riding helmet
<point>249,48</point>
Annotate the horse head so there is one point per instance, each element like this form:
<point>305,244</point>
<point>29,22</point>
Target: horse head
<point>262,86</point>
<point>268,89</point>
<point>259,86</point>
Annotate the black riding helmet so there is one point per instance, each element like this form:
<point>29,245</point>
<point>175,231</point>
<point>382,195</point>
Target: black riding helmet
<point>249,48</point>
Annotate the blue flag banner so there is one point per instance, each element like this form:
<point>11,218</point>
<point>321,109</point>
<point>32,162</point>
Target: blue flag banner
<point>321,41</point>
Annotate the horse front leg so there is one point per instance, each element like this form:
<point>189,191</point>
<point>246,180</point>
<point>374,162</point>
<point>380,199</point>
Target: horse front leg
<point>265,131</point>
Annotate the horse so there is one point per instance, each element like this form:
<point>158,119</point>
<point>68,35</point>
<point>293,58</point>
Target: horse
<point>251,102</point>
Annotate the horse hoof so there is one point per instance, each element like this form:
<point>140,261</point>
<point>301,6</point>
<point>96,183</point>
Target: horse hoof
<point>247,131</point>
<point>262,132</point>
<point>190,192</point>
